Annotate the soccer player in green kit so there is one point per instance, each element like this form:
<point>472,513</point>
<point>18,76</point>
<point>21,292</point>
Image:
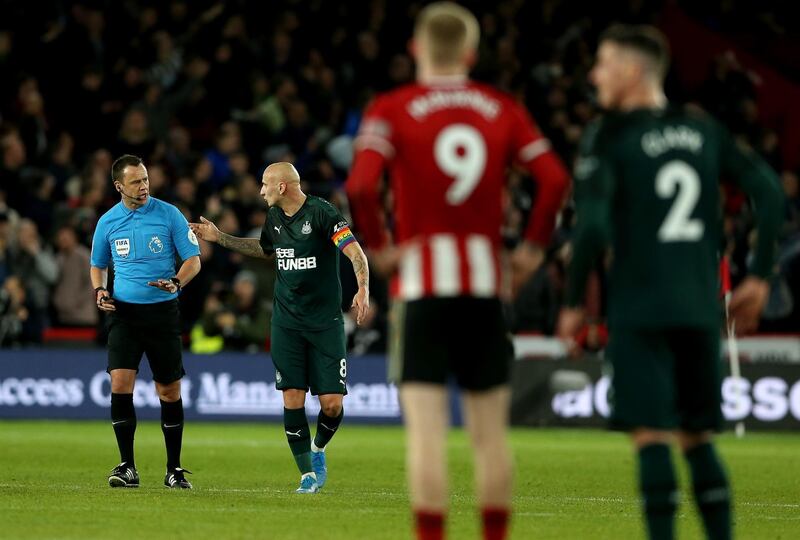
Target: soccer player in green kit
<point>647,183</point>
<point>305,234</point>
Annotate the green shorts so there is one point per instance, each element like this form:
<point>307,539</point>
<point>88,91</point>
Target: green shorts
<point>151,329</point>
<point>310,359</point>
<point>665,379</point>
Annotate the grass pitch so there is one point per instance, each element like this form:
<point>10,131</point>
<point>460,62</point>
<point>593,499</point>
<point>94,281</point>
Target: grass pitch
<point>569,484</point>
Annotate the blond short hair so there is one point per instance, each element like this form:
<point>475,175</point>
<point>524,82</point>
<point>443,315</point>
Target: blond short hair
<point>448,31</point>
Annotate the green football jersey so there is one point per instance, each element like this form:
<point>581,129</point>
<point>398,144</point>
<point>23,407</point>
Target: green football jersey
<point>308,293</point>
<point>647,183</point>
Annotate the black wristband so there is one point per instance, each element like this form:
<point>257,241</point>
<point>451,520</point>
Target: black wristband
<point>98,289</point>
<point>176,281</point>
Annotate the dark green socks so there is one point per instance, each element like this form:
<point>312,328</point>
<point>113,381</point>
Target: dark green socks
<point>295,424</point>
<point>659,490</point>
<point>711,491</point>
<point>326,427</point>
<point>123,420</point>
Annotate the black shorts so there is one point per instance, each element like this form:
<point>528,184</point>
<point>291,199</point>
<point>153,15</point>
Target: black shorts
<point>434,338</point>
<point>151,329</point>
<point>665,379</point>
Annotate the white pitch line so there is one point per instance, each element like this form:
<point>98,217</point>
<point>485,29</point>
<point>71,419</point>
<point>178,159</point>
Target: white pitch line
<point>767,505</point>
<point>545,498</point>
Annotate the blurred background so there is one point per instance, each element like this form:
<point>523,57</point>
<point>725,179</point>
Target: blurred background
<point>208,93</point>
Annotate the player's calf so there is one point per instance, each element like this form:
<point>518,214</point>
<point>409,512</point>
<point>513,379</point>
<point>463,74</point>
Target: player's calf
<point>295,425</point>
<point>711,490</point>
<point>659,490</point>
<point>327,424</point>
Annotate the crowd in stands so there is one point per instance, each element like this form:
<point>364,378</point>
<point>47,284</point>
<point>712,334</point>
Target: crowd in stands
<point>209,92</point>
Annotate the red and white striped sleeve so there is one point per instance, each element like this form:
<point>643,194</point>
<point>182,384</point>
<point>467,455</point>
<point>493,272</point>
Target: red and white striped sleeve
<point>373,150</point>
<point>533,151</point>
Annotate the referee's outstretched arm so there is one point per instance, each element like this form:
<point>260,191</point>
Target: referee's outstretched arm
<point>209,232</point>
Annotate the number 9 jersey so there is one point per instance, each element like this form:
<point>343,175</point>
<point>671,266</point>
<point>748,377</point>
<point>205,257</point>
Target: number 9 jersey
<point>447,146</point>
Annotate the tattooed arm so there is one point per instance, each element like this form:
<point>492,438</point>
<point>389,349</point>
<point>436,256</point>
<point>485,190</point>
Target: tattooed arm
<point>206,230</point>
<point>246,246</point>
<point>356,255</point>
<point>360,267</point>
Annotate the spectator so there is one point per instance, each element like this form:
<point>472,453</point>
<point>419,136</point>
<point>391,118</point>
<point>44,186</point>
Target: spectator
<point>536,304</point>
<point>135,136</point>
<point>13,160</point>
<point>40,203</point>
<point>72,298</point>
<point>17,326</point>
<point>35,266</point>
<point>5,250</point>
<point>228,143</point>
<point>791,189</point>
<point>370,336</point>
<point>242,321</point>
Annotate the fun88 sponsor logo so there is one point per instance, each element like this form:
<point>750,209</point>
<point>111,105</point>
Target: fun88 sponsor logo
<point>287,261</point>
<point>30,392</point>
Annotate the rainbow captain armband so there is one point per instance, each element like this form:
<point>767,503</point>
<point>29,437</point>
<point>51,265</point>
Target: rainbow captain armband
<point>342,236</point>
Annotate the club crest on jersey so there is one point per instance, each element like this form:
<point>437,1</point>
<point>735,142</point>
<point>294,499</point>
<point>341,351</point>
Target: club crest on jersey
<point>306,228</point>
<point>123,247</point>
<point>156,245</point>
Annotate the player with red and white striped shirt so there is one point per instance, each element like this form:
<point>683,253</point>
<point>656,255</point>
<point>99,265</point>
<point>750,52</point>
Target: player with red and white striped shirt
<point>447,143</point>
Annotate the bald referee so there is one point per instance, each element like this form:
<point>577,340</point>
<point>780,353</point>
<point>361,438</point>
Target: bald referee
<point>142,236</point>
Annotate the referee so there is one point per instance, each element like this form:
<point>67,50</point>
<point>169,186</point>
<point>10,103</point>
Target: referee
<point>142,236</point>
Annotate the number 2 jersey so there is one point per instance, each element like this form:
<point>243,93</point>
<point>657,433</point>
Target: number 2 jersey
<point>308,293</point>
<point>648,183</point>
<point>447,146</point>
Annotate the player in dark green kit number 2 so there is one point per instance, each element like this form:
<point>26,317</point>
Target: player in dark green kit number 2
<point>647,183</point>
<point>305,234</point>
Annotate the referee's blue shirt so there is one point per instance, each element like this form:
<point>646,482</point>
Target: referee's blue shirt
<point>142,243</point>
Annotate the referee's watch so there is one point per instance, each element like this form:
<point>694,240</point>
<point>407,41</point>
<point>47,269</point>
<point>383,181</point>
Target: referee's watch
<point>98,289</point>
<point>176,281</point>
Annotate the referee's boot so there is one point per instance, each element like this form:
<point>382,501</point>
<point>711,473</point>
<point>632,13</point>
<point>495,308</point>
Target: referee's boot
<point>176,478</point>
<point>124,475</point>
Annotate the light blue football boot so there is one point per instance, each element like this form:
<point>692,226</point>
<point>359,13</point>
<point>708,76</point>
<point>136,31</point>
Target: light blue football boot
<point>308,484</point>
<point>320,469</point>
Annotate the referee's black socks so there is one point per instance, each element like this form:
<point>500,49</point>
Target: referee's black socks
<point>123,420</point>
<point>172,427</point>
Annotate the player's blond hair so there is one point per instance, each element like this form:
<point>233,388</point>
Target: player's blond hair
<point>448,31</point>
